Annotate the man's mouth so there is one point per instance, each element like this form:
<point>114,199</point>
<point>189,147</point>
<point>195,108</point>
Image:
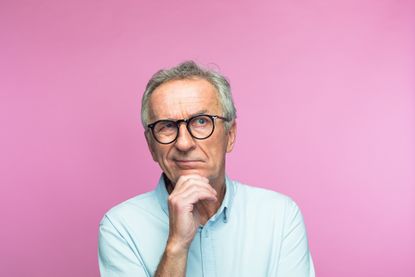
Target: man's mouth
<point>187,163</point>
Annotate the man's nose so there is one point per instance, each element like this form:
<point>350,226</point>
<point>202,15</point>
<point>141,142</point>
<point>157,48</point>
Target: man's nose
<point>185,141</point>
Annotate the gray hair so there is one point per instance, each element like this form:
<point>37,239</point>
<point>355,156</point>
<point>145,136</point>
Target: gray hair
<point>190,70</point>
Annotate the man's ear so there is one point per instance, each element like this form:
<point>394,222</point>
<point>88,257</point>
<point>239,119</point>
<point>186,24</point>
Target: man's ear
<point>150,144</point>
<point>231,137</point>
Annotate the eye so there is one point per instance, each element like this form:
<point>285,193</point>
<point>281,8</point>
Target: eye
<point>201,121</point>
<point>169,125</point>
<point>165,126</point>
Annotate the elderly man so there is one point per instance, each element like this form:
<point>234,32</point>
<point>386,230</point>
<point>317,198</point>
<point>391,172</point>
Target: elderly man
<point>197,221</point>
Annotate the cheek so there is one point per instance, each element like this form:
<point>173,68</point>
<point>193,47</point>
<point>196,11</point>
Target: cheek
<point>216,151</point>
<point>158,153</point>
<point>163,156</point>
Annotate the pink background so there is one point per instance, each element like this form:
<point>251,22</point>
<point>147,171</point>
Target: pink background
<point>334,79</point>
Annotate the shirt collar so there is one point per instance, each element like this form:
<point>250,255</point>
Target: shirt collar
<point>223,211</point>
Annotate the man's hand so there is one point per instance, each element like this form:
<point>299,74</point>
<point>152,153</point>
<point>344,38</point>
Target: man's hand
<point>184,217</point>
<point>184,220</point>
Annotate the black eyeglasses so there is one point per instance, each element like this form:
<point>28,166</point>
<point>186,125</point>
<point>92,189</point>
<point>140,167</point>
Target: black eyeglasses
<point>199,126</point>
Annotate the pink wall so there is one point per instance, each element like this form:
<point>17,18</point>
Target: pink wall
<point>333,81</point>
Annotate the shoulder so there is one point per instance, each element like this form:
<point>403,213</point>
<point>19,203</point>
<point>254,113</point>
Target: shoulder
<point>273,210</point>
<point>137,207</point>
<point>261,199</point>
<point>259,195</point>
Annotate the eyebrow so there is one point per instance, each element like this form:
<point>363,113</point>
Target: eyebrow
<point>191,115</point>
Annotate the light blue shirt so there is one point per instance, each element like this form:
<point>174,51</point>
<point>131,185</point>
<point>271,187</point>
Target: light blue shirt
<point>255,232</point>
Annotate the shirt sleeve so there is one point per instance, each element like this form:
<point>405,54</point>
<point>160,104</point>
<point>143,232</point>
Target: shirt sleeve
<point>115,256</point>
<point>295,256</point>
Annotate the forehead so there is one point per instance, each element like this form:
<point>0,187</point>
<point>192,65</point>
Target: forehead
<point>183,98</point>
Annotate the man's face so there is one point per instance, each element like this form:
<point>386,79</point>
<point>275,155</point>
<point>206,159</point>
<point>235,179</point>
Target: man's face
<point>182,99</point>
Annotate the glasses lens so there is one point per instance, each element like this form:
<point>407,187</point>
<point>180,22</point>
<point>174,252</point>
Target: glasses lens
<point>165,131</point>
<point>201,126</point>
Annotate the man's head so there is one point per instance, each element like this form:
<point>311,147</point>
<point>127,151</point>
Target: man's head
<point>197,146</point>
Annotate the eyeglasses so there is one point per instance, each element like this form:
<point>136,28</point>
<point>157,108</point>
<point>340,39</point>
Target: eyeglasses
<point>199,126</point>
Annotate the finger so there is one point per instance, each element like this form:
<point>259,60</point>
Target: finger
<point>195,189</point>
<point>184,191</point>
<point>183,197</point>
<point>190,184</point>
<point>184,178</point>
<point>180,205</point>
<point>196,196</point>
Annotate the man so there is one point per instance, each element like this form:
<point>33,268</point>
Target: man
<point>198,222</point>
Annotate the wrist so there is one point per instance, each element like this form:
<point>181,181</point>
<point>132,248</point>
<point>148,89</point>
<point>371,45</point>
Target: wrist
<point>176,249</point>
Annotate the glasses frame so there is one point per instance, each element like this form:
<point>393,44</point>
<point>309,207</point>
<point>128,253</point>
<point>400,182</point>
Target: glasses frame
<point>186,121</point>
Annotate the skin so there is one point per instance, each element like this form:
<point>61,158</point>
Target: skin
<point>195,168</point>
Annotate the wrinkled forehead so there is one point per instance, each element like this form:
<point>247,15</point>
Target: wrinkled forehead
<point>184,98</point>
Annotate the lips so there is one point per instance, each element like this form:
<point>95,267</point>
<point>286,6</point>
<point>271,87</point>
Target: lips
<point>187,164</point>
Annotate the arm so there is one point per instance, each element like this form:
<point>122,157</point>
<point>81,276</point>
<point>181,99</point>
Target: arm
<point>173,262</point>
<point>115,256</point>
<point>184,220</point>
<point>295,258</point>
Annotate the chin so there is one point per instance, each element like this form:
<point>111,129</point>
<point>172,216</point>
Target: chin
<point>182,172</point>
<point>192,172</point>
